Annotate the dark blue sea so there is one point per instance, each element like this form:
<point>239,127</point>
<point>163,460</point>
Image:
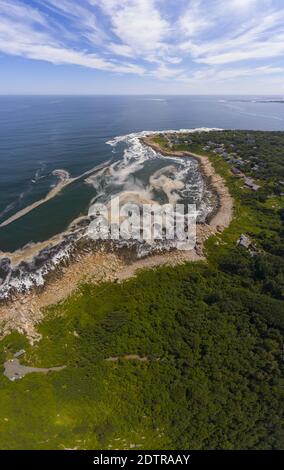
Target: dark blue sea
<point>41,134</point>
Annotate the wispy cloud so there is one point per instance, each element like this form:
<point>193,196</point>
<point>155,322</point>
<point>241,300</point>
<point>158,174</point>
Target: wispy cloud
<point>261,38</point>
<point>181,40</point>
<point>20,35</point>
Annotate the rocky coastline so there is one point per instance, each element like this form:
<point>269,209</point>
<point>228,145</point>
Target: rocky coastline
<point>88,261</point>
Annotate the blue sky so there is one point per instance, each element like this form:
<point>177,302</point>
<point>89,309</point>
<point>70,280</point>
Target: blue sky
<point>141,46</point>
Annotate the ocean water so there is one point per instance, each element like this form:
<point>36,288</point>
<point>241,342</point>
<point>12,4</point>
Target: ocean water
<point>41,134</point>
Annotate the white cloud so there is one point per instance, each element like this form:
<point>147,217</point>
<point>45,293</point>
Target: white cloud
<point>174,60</point>
<point>21,12</point>
<point>196,40</point>
<point>194,20</point>
<point>121,49</point>
<point>213,74</point>
<point>137,24</point>
<point>81,17</point>
<point>165,72</point>
<point>243,4</point>
<point>260,38</point>
<point>23,40</point>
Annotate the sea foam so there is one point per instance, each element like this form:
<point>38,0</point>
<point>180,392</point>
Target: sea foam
<point>118,177</point>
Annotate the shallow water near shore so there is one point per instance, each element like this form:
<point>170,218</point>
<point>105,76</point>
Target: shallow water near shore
<point>41,134</point>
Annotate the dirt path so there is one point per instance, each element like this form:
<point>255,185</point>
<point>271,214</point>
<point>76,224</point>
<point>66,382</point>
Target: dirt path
<point>13,370</point>
<point>128,357</point>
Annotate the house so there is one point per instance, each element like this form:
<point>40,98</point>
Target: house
<point>244,241</point>
<point>219,151</point>
<point>236,171</point>
<point>249,183</point>
<point>233,161</point>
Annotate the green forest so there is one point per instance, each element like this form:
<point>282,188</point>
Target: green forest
<point>190,357</point>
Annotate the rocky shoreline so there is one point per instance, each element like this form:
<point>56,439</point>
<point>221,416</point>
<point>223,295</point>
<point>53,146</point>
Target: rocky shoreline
<point>223,215</point>
<point>92,262</point>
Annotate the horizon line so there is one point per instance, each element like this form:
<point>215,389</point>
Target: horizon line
<point>140,94</point>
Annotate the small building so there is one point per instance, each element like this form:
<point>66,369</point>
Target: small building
<point>236,171</point>
<point>244,241</point>
<point>249,183</point>
<point>20,353</point>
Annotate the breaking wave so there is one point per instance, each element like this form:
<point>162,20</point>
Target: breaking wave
<point>147,175</point>
<point>141,175</point>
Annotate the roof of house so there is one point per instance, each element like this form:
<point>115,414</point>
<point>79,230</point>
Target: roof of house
<point>244,241</point>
